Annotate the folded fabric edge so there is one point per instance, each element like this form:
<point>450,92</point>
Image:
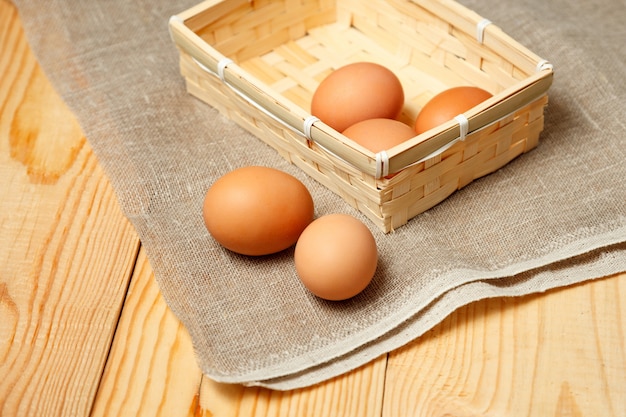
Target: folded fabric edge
<point>333,352</point>
<point>607,262</point>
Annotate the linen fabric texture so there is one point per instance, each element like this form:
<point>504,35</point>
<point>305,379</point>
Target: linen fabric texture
<point>552,217</point>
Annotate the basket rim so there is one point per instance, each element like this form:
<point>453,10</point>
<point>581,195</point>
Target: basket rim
<point>412,151</point>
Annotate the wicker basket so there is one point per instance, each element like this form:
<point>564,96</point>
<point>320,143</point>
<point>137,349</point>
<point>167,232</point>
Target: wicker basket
<point>259,63</point>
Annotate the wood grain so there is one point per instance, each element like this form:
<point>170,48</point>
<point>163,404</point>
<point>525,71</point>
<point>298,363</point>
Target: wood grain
<point>557,354</point>
<point>354,394</point>
<point>152,370</point>
<point>67,250</point>
<point>85,331</point>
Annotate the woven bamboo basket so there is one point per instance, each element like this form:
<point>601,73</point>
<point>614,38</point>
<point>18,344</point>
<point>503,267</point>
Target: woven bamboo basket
<point>259,63</point>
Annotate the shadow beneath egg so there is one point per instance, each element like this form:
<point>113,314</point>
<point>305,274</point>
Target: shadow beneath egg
<point>273,277</point>
<point>370,298</point>
<point>260,260</point>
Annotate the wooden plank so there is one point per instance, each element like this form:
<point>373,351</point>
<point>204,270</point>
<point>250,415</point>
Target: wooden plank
<point>562,353</point>
<point>66,250</point>
<point>355,394</point>
<point>152,369</point>
<point>66,259</point>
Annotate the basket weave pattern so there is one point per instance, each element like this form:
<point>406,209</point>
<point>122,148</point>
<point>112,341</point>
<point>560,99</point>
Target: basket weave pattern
<point>281,51</point>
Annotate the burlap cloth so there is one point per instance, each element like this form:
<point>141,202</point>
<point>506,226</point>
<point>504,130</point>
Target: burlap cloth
<point>553,217</point>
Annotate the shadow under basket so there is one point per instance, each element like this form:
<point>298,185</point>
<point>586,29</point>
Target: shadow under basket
<point>259,63</point>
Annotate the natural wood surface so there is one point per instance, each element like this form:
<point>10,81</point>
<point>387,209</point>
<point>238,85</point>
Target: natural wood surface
<point>66,252</point>
<point>84,329</point>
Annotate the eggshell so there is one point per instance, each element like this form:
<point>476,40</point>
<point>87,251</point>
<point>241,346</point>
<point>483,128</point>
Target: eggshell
<point>336,257</point>
<point>257,210</point>
<point>446,105</point>
<point>379,134</point>
<point>356,92</point>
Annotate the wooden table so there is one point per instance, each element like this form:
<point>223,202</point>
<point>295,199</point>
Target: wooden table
<point>84,329</point>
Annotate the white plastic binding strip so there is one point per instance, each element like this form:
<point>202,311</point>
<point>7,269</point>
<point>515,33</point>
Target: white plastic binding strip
<point>176,18</point>
<point>204,67</point>
<point>221,66</point>
<point>463,132</point>
<point>382,164</point>
<point>480,29</point>
<point>308,124</point>
<point>544,64</point>
<point>382,159</point>
<point>463,126</point>
<point>244,96</point>
<point>173,18</point>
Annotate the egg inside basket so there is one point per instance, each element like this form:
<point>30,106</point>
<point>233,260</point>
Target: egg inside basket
<point>259,63</point>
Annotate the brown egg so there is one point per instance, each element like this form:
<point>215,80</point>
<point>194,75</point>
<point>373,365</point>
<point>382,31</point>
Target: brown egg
<point>336,257</point>
<point>446,105</point>
<point>257,210</point>
<point>379,134</point>
<point>357,92</point>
